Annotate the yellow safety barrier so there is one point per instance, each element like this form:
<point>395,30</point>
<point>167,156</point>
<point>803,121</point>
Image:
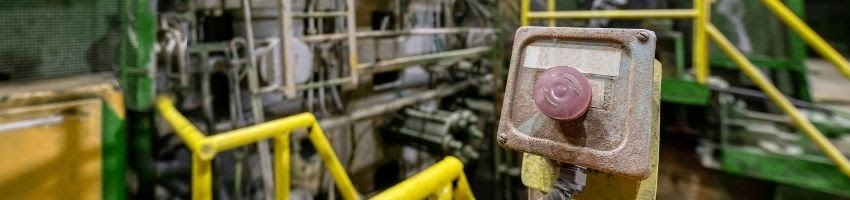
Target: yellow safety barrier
<point>764,84</point>
<point>810,36</point>
<point>703,29</point>
<point>437,179</point>
<point>434,179</point>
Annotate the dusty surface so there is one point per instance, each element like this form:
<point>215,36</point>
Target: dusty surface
<point>613,138</point>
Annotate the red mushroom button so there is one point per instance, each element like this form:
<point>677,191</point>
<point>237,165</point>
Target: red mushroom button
<point>562,93</point>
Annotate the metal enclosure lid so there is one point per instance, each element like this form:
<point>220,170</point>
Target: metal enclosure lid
<point>614,135</point>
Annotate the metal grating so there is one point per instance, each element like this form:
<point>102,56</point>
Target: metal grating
<point>58,38</point>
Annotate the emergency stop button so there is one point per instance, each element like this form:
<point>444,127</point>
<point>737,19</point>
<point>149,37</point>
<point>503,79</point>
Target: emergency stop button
<point>562,93</point>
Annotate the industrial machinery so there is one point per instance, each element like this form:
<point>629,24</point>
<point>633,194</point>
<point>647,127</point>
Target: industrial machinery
<point>396,86</point>
<point>361,68</point>
<point>393,99</point>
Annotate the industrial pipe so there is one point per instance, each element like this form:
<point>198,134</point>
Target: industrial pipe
<point>615,14</point>
<point>336,122</point>
<point>397,63</point>
<point>372,34</point>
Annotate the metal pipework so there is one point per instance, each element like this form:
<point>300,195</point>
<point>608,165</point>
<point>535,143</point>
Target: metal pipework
<point>436,132</point>
<point>352,41</point>
<point>256,101</point>
<point>810,36</point>
<point>372,111</point>
<point>614,14</point>
<point>319,14</point>
<point>779,99</point>
<point>372,34</point>
<point>284,18</point>
<point>399,63</point>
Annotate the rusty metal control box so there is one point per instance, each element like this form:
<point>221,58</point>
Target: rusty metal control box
<point>582,96</point>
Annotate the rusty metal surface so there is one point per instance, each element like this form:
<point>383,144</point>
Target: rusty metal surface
<point>614,136</point>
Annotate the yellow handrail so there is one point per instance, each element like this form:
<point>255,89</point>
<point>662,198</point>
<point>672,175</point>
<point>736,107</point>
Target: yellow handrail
<point>779,99</point>
<point>810,36</point>
<point>429,181</point>
<point>703,29</point>
<point>204,149</point>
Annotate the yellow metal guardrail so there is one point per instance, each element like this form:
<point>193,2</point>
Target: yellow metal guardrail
<point>703,30</point>
<point>437,180</point>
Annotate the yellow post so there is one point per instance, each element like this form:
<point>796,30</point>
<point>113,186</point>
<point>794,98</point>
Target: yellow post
<point>463,191</point>
<point>700,51</point>
<point>811,37</point>
<point>525,8</point>
<point>343,183</point>
<point>445,193</point>
<point>201,179</point>
<point>779,99</point>
<point>281,166</point>
<point>550,6</point>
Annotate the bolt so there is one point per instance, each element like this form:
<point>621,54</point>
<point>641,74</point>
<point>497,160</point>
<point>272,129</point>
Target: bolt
<point>502,138</point>
<point>643,36</point>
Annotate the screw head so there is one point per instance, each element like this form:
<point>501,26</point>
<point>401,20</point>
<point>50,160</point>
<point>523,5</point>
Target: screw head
<point>502,138</point>
<point>562,93</point>
<point>643,36</point>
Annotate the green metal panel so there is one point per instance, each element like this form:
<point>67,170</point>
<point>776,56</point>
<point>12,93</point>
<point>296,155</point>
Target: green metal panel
<point>684,92</point>
<point>809,172</point>
<point>113,152</point>
<point>137,56</point>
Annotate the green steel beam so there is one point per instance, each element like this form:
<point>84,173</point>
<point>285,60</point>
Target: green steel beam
<point>135,74</point>
<point>137,53</point>
<point>113,153</point>
<point>809,172</point>
<point>686,92</point>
